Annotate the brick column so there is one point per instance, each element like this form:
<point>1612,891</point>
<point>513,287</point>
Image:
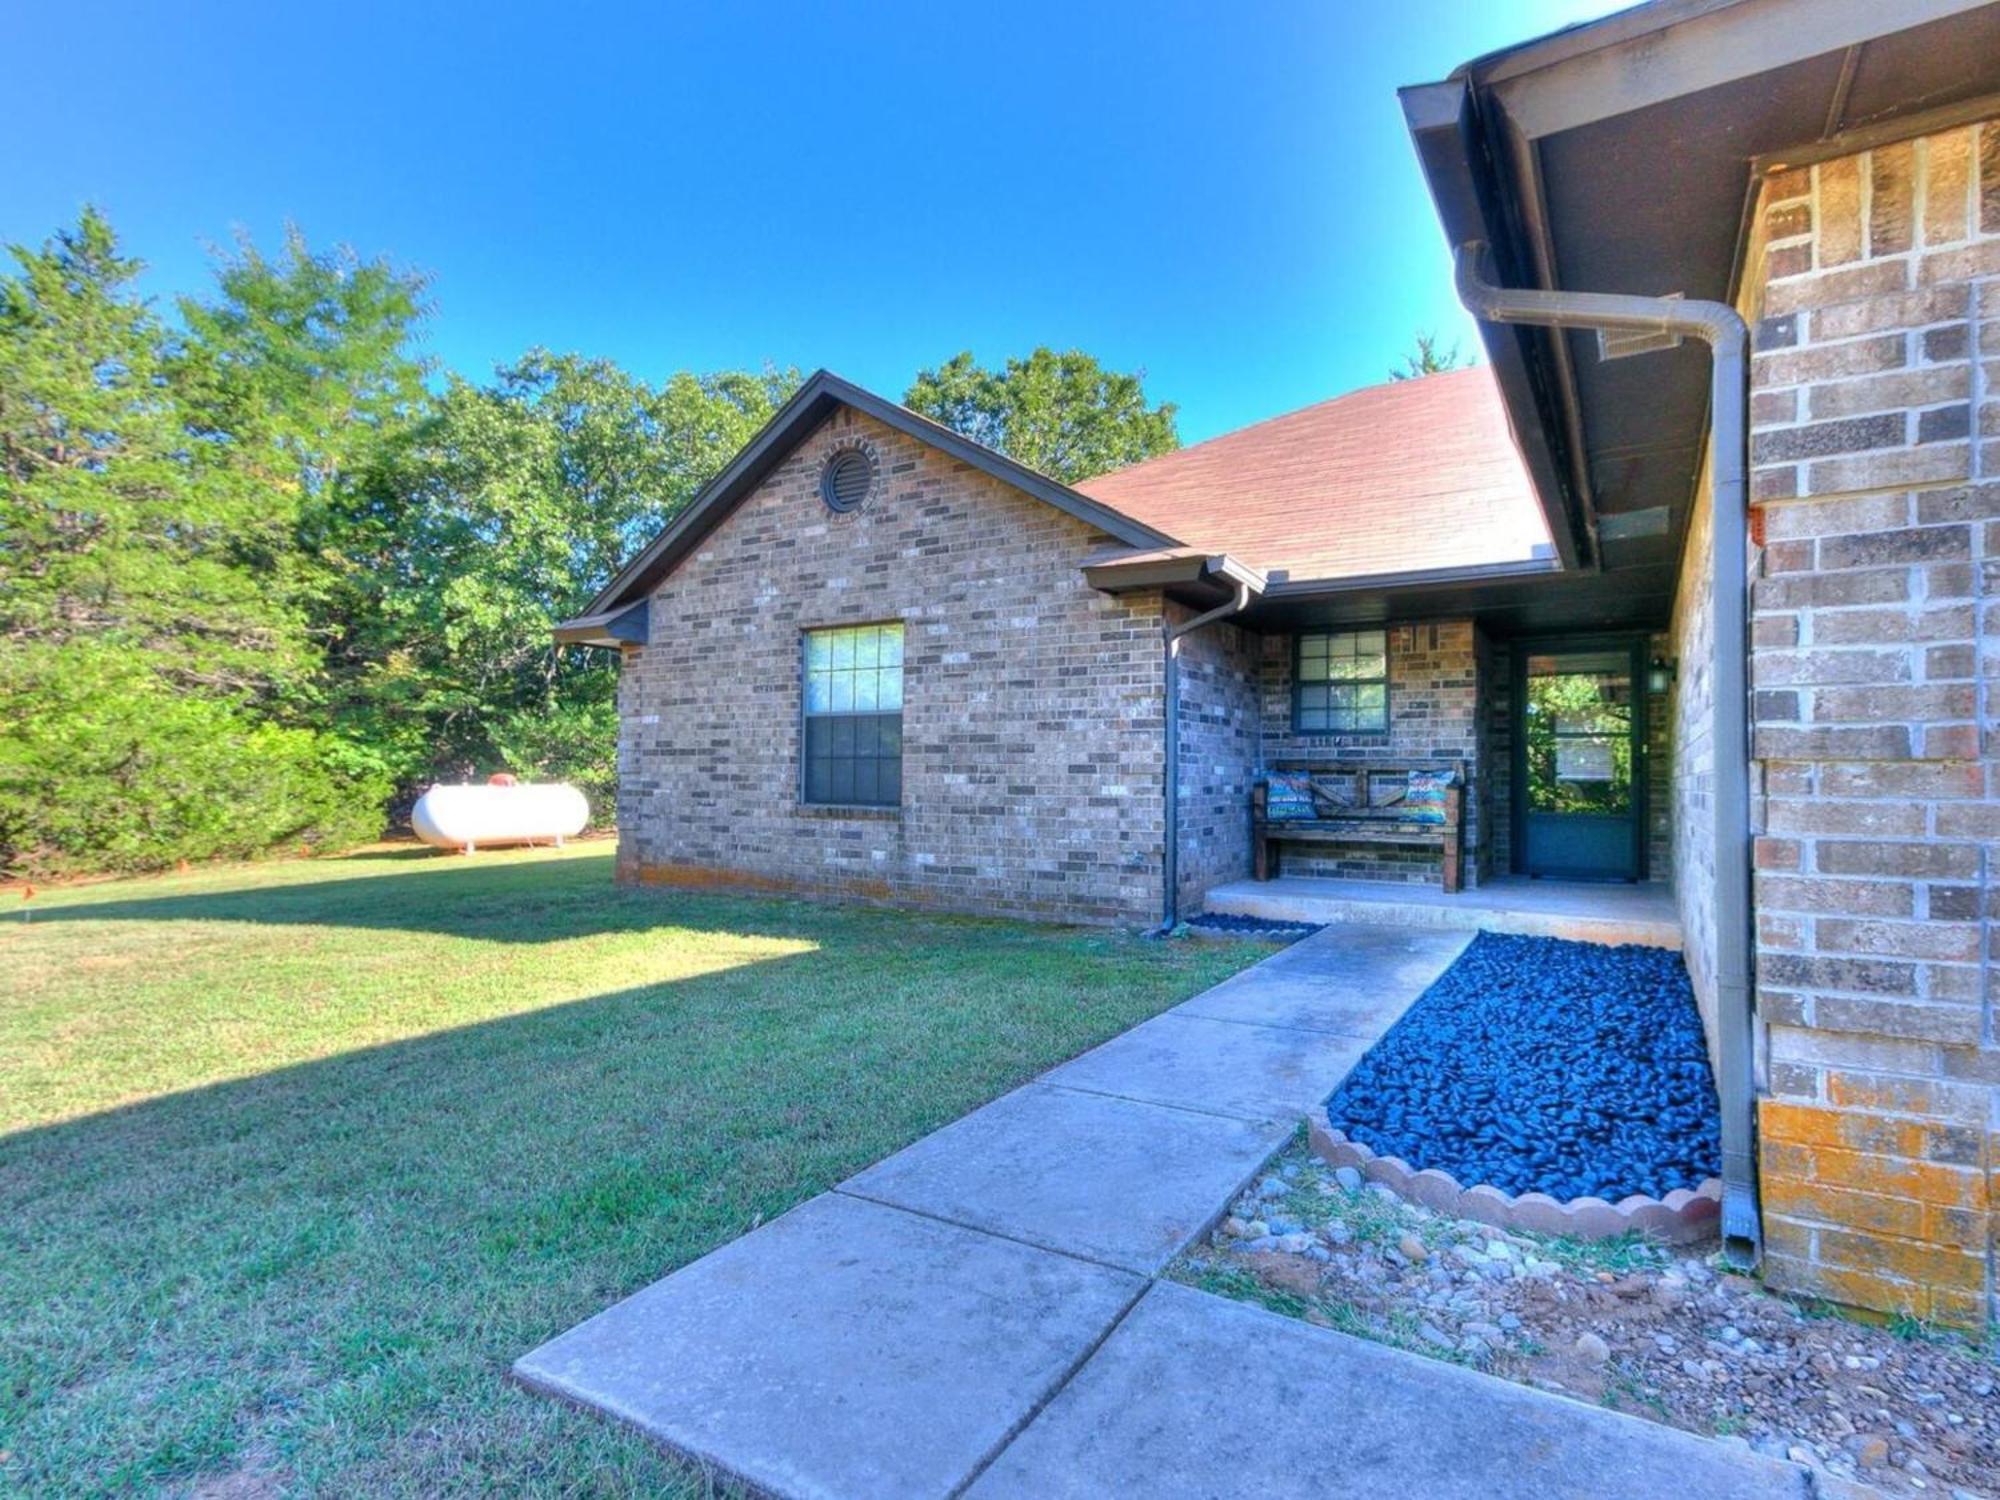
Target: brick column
<point>1876,471</point>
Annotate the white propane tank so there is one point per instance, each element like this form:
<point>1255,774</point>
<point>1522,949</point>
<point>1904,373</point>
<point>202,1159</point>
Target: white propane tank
<point>464,817</point>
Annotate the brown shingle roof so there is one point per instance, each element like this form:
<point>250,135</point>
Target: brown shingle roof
<point>1397,478</point>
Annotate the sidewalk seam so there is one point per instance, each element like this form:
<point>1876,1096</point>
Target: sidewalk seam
<point>1028,1418</point>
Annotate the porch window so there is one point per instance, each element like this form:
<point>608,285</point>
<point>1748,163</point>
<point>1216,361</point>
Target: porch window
<point>1340,683</point>
<point>853,719</point>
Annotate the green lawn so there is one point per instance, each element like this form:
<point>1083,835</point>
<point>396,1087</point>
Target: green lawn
<point>294,1159</point>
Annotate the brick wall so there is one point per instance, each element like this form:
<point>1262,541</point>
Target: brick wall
<point>1433,715</point>
<point>1032,704</point>
<point>1874,427</point>
<point>1220,749</point>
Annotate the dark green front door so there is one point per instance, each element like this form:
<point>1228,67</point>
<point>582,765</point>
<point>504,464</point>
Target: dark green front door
<point>1578,759</point>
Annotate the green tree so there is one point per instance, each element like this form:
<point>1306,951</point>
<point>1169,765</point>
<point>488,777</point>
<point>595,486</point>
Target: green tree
<point>503,511</point>
<point>1061,414</point>
<point>1428,357</point>
<point>145,649</point>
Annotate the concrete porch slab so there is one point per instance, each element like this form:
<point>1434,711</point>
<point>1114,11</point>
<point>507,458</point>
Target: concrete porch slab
<point>845,1349</point>
<point>1108,1179</point>
<point>1239,1401</point>
<point>1578,910</point>
<point>1352,981</point>
<point>1224,1067</point>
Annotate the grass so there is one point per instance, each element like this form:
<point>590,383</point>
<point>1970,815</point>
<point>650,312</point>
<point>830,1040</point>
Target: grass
<point>295,1159</point>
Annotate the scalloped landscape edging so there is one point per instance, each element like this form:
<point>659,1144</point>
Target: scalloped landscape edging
<point>1681,1216</point>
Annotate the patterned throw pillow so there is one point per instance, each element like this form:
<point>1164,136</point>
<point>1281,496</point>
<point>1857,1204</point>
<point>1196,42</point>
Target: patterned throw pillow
<point>1424,800</point>
<point>1288,797</point>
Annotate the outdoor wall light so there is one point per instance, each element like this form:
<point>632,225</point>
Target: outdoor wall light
<point>1660,676</point>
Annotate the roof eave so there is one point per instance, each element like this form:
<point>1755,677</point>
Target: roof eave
<point>1470,573</point>
<point>1457,161</point>
<point>613,629</point>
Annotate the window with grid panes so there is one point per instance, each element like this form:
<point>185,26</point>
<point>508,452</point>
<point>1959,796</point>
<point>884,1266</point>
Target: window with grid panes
<point>1340,683</point>
<point>853,721</point>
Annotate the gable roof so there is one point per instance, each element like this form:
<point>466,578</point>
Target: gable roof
<point>1408,477</point>
<point>810,405</point>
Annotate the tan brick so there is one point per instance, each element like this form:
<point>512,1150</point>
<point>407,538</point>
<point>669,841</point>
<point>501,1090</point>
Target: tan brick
<point>1862,742</point>
<point>1927,1182</point>
<point>1938,463</point>
<point>1947,940</point>
<point>1892,198</point>
<point>1947,183</point>
<point>1947,701</point>
<point>1823,362</point>
<point>1831,591</point>
<point>1867,627</point>
<point>1772,407</point>
<point>1869,1289</point>
<point>1922,861</point>
<point>1926,1265</point>
<point>1974,261</point>
<point>1910,1096</point>
<point>1893,310</point>
<point>1876,1054</point>
<point>1837,187</point>
<point>1882,898</point>
<point>1809,666</point>
<point>1911,544</point>
<point>1979,820</point>
<point>1870,279</point>
<point>1897,391</point>
<point>1818,816</point>
<point>1927,780</point>
<point>1912,1020</point>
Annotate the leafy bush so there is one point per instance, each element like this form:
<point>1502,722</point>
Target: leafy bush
<point>573,742</point>
<point>104,767</point>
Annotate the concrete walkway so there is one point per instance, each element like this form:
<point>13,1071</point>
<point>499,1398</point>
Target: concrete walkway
<point>978,1312</point>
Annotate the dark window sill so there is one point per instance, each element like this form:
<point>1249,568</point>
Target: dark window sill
<point>846,810</point>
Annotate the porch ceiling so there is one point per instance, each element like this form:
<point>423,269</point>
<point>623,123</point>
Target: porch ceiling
<point>1622,156</point>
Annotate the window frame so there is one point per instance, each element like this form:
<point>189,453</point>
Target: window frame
<point>806,716</point>
<point>1299,727</point>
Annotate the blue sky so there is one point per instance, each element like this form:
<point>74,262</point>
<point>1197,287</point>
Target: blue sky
<point>1222,194</point>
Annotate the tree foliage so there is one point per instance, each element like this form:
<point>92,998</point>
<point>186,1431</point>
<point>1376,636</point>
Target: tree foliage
<point>260,575</point>
<point>265,573</point>
<point>152,645</point>
<point>1428,357</point>
<point>1063,415</point>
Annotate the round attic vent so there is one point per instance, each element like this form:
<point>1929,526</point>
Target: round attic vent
<point>846,480</point>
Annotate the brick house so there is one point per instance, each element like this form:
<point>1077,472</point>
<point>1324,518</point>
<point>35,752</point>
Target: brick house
<point>877,661</point>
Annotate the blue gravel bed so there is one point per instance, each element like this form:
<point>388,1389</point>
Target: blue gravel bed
<point>1539,1065</point>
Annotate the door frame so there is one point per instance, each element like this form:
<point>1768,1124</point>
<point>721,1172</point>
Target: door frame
<point>1638,644</point>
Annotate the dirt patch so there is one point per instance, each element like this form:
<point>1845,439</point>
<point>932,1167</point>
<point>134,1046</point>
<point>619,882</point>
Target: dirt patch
<point>1662,1334</point>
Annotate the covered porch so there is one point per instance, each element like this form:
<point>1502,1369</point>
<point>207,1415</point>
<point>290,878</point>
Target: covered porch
<point>1562,744</point>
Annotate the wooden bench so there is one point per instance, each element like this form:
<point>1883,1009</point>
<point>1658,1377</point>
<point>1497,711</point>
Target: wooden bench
<point>1373,792</point>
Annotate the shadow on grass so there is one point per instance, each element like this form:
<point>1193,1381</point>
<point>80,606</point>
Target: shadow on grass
<point>334,1262</point>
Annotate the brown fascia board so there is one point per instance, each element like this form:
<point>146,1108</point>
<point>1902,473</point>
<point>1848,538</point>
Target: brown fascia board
<point>1119,572</point>
<point>810,405</point>
<point>1469,573</point>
